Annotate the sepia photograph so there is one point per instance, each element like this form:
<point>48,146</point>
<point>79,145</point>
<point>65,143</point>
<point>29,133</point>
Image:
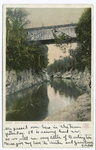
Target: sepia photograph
<point>48,64</point>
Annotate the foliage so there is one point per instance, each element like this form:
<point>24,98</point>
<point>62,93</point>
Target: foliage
<point>81,56</point>
<point>61,65</point>
<point>83,31</point>
<point>43,56</point>
<point>20,55</point>
<point>61,40</point>
<point>78,59</point>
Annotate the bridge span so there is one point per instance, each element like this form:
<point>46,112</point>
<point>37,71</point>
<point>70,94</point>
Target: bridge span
<point>45,34</point>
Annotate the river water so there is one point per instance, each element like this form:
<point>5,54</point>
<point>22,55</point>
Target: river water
<point>40,101</point>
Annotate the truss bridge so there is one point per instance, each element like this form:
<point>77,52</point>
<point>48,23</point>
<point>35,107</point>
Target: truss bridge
<point>45,34</point>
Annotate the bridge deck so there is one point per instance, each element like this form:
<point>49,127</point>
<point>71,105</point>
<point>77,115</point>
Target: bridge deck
<point>45,34</point>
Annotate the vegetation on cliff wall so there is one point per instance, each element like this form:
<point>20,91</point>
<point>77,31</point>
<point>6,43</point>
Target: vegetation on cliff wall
<point>20,55</point>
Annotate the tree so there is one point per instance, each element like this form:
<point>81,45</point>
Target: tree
<point>77,59</point>
<point>82,54</point>
<point>20,55</point>
<point>15,37</point>
<point>83,31</point>
<point>62,40</point>
<point>43,56</point>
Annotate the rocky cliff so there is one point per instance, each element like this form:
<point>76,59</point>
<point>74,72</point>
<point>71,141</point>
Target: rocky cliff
<point>16,81</point>
<point>81,79</point>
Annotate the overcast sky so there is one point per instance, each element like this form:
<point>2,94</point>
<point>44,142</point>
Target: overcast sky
<point>53,16</point>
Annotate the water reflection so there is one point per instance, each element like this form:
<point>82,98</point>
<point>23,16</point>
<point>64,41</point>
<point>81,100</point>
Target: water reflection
<point>28,105</point>
<point>61,93</point>
<point>65,87</point>
<point>34,104</point>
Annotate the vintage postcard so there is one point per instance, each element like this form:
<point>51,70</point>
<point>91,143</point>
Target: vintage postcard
<point>48,76</point>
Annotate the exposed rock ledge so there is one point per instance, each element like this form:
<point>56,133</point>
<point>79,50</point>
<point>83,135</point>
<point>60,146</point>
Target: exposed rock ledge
<point>78,111</point>
<point>81,79</point>
<point>24,79</point>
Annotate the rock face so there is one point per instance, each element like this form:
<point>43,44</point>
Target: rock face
<point>78,111</point>
<point>57,75</point>
<point>24,79</point>
<point>81,79</point>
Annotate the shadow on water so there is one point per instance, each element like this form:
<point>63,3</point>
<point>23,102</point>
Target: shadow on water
<point>65,87</point>
<point>36,103</point>
<point>29,105</point>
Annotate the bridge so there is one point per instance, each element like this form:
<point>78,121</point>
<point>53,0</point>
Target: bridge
<point>45,34</point>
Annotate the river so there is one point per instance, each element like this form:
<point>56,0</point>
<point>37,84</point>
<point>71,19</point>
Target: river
<point>40,101</point>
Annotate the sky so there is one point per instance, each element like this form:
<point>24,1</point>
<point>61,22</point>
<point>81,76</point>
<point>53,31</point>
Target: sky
<point>55,53</point>
<point>53,16</point>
